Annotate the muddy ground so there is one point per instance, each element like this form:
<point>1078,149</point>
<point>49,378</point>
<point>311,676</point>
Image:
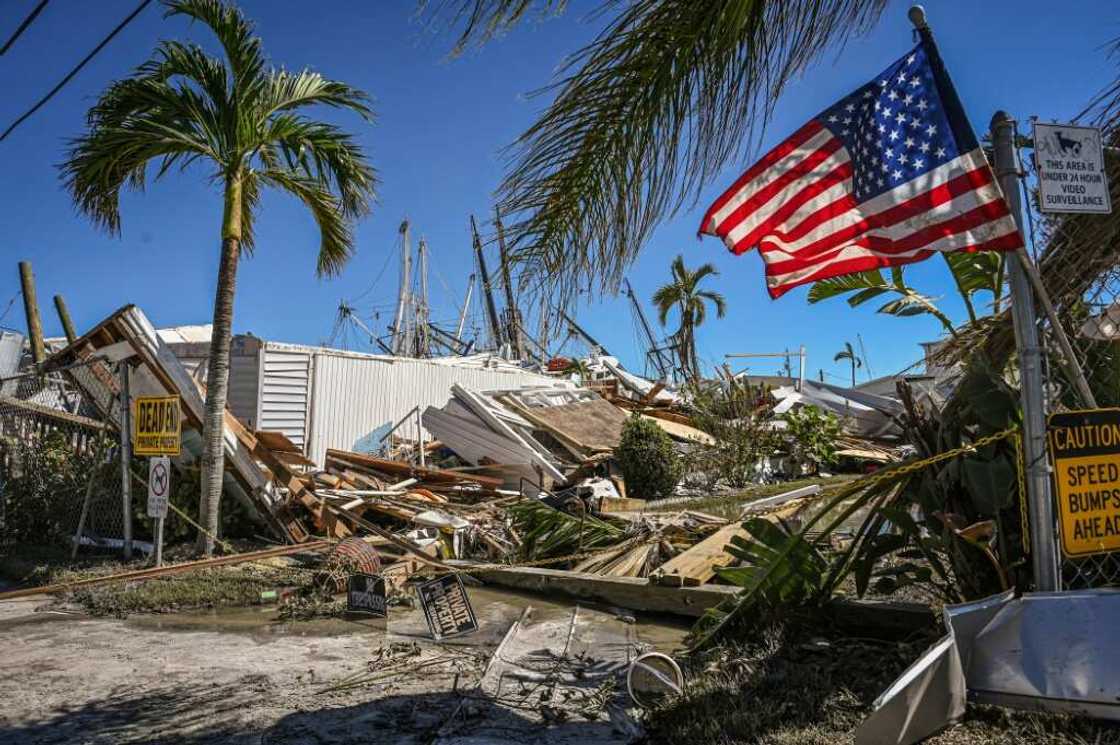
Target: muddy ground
<point>240,676</point>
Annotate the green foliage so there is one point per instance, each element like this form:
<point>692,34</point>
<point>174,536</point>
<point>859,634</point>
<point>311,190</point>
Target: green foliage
<point>547,532</point>
<point>238,118</point>
<point>44,482</point>
<point>951,529</point>
<point>650,465</point>
<point>869,285</point>
<point>642,117</point>
<point>733,416</point>
<point>813,435</point>
<point>683,293</point>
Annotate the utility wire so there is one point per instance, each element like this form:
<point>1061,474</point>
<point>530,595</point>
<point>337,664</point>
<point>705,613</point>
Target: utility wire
<point>70,75</point>
<point>23,27</point>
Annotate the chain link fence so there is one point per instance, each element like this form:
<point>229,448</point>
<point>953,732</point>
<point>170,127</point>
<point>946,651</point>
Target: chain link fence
<point>60,474</point>
<point>1078,256</point>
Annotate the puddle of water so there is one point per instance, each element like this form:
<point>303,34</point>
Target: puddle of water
<point>495,609</point>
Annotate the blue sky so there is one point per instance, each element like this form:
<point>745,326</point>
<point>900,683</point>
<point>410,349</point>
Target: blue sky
<point>441,124</point>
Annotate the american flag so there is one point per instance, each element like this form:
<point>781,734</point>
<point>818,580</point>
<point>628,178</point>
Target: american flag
<point>887,176</point>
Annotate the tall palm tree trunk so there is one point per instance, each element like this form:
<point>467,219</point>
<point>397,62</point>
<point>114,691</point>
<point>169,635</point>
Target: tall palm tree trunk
<point>853,372</point>
<point>694,359</point>
<point>217,373</point>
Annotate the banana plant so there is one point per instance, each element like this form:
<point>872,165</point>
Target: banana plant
<point>972,273</point>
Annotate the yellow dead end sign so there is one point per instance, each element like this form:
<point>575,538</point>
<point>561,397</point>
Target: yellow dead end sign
<point>1085,453</point>
<point>157,426</point>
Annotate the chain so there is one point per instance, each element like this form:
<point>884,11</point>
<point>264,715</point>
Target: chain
<point>1024,518</point>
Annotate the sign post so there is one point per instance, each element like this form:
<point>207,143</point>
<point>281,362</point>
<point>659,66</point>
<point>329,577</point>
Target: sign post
<point>159,487</point>
<point>1085,452</point>
<point>1071,172</point>
<point>158,433</point>
<point>1040,508</point>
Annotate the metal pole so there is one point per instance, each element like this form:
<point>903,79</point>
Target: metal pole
<point>126,459</point>
<point>801,370</point>
<point>1044,555</point>
<point>31,310</point>
<point>159,541</point>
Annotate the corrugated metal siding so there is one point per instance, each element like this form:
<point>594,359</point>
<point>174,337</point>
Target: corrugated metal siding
<point>285,389</point>
<point>244,383</point>
<point>356,398</point>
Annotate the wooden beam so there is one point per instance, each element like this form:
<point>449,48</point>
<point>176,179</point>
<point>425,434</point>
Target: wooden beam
<point>152,573</point>
<point>407,470</point>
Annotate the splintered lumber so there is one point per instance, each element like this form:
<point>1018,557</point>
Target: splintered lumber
<point>407,470</point>
<point>679,431</point>
<point>698,564</point>
<point>155,572</point>
<point>621,504</point>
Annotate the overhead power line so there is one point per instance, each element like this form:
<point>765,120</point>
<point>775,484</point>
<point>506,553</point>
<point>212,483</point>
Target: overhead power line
<point>70,75</point>
<point>23,27</point>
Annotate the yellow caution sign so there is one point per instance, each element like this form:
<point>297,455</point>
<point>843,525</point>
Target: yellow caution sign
<point>1085,453</point>
<point>157,426</point>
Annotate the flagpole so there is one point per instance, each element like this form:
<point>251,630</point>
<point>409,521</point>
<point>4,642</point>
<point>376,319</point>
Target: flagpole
<point>1040,506</point>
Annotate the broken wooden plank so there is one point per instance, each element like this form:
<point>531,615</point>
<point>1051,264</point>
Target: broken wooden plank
<point>154,572</point>
<point>699,563</point>
<point>407,470</point>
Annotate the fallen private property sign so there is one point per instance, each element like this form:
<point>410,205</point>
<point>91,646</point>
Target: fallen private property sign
<point>447,607</point>
<point>158,426</point>
<point>365,593</point>
<point>1071,174</point>
<point>1085,452</point>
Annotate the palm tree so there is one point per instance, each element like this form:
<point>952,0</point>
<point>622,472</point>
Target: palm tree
<point>847,353</point>
<point>670,95</point>
<point>241,120</point>
<point>684,294</point>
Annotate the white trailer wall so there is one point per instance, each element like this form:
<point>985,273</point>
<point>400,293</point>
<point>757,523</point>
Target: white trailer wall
<point>326,398</point>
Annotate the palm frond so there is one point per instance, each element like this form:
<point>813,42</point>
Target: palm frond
<point>658,105</point>
<point>717,299</point>
<point>870,283</point>
<point>336,240</point>
<point>549,532</point>
<point>483,20</point>
<point>285,91</point>
<point>234,33</point>
<point>326,153</point>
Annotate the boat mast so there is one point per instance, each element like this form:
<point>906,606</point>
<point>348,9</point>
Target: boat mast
<point>399,323</point>
<point>492,311</point>
<point>422,314</point>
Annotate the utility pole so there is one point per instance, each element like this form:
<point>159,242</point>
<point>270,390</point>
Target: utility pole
<point>492,311</point>
<point>1044,555</point>
<point>64,317</point>
<point>513,324</point>
<point>402,295</point>
<point>31,311</point>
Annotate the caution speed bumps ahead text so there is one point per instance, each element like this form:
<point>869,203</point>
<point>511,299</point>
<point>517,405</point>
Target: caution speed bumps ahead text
<point>1085,452</point>
<point>157,425</point>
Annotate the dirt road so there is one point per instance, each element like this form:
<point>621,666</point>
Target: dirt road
<point>239,677</point>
